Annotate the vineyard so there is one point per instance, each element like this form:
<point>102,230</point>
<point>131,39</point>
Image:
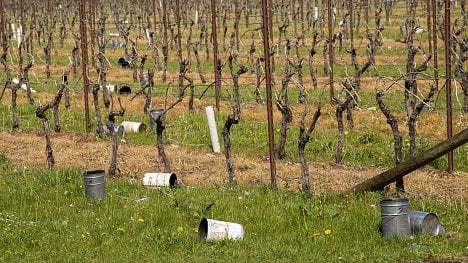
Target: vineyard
<point>316,96</point>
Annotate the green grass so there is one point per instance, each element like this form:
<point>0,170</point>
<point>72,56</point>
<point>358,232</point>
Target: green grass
<point>249,137</point>
<point>44,217</point>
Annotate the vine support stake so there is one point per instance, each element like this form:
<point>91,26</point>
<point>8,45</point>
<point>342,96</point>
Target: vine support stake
<point>179,38</point>
<point>266,51</point>
<point>434,44</point>
<point>330,48</point>
<point>215,54</point>
<point>448,83</point>
<point>2,22</point>
<point>84,63</point>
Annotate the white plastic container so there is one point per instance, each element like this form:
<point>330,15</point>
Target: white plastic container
<point>213,131</point>
<point>131,126</point>
<point>160,180</point>
<point>214,230</point>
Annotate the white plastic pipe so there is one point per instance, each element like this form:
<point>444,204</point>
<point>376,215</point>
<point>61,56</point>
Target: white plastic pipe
<point>19,32</point>
<point>213,131</point>
<point>13,30</point>
<point>148,37</point>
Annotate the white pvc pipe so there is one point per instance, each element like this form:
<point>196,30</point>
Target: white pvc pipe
<point>13,30</point>
<point>148,37</point>
<point>19,32</point>
<point>213,131</point>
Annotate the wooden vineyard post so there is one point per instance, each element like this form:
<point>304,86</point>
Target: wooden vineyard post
<point>84,58</point>
<point>379,181</point>
<point>266,51</point>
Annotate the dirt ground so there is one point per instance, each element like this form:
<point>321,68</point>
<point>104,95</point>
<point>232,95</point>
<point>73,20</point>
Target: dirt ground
<point>198,168</point>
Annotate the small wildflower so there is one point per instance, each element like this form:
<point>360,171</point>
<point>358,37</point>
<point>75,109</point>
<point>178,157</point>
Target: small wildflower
<point>328,232</point>
<point>141,220</point>
<point>195,229</point>
<point>346,132</point>
<point>180,229</point>
<point>316,234</point>
<point>121,229</point>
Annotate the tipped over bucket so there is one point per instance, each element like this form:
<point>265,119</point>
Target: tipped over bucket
<point>118,129</point>
<point>213,230</point>
<point>395,217</point>
<point>160,180</point>
<point>95,184</point>
<point>131,126</point>
<point>425,222</point>
<point>155,115</point>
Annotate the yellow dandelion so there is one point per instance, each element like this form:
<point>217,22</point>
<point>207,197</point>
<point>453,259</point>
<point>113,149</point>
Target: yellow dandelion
<point>346,132</point>
<point>328,232</point>
<point>180,229</point>
<point>141,220</point>
<point>195,229</point>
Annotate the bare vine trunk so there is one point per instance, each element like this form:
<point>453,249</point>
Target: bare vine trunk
<point>342,106</point>
<point>58,97</point>
<point>397,138</point>
<point>304,138</point>
<point>40,113</point>
<point>160,126</point>
<point>283,106</point>
<point>232,119</point>
<point>115,144</point>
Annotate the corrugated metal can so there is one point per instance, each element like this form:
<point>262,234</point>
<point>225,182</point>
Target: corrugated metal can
<point>395,218</point>
<point>425,222</point>
<point>95,184</point>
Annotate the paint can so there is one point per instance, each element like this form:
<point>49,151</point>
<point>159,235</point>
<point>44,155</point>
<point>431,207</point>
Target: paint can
<point>395,217</point>
<point>155,115</point>
<point>160,180</point>
<point>95,184</point>
<point>425,222</point>
<point>118,129</point>
<point>131,126</point>
<point>214,230</point>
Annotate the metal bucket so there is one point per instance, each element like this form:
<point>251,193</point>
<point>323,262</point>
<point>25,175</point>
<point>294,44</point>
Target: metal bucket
<point>118,129</point>
<point>131,126</point>
<point>154,115</point>
<point>403,30</point>
<point>213,230</point>
<point>160,179</point>
<point>95,184</point>
<point>425,222</point>
<point>395,218</point>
